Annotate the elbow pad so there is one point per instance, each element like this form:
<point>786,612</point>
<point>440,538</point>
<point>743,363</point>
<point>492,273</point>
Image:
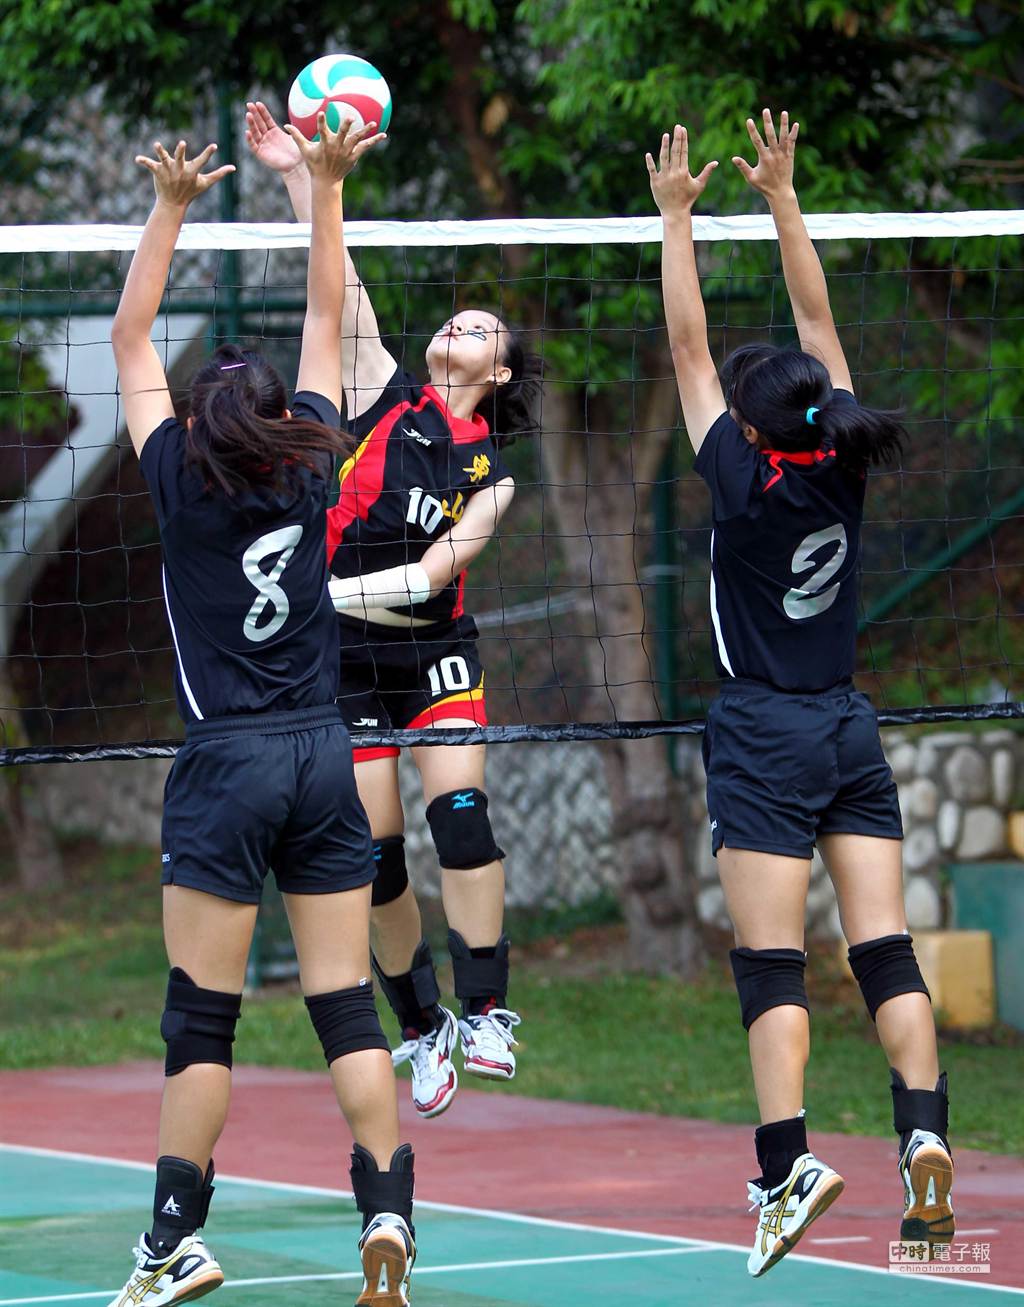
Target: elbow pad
<point>394,587</point>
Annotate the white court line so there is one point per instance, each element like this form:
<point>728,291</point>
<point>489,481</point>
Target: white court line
<point>988,1229</point>
<point>549,1223</point>
<point>845,1238</point>
<point>358,1275</point>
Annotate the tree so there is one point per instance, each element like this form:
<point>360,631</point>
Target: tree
<point>544,108</point>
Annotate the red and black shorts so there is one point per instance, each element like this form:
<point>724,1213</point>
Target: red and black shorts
<point>408,678</point>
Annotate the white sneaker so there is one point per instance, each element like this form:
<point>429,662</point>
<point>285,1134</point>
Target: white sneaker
<point>487,1043</point>
<point>434,1081</point>
<point>388,1251</point>
<point>789,1208</point>
<point>188,1272</point>
<point>926,1169</point>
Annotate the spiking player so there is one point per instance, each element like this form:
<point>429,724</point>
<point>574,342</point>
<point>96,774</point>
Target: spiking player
<point>792,752</point>
<point>240,492</point>
<point>420,499</point>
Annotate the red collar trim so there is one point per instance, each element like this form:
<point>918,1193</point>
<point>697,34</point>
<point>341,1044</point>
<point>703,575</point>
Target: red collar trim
<point>804,457</point>
<point>463,430</point>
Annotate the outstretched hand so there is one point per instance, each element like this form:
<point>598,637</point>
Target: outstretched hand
<point>674,189</point>
<point>773,173</point>
<point>268,143</point>
<point>334,154</point>
<point>179,180</point>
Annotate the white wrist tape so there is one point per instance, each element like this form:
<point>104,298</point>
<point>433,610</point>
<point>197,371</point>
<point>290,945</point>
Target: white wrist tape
<point>394,587</point>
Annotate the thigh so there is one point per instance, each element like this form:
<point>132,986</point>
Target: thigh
<point>208,937</point>
<point>377,781</point>
<point>332,938</point>
<point>447,767</point>
<point>867,873</point>
<point>325,846</point>
<point>225,803</point>
<point>766,896</point>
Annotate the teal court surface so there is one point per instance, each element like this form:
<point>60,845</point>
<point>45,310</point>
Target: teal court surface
<point>68,1222</point>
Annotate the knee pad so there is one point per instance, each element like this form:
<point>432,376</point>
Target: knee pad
<point>462,830</point>
<point>479,977</point>
<point>767,978</point>
<point>392,876</point>
<point>346,1021</point>
<point>886,967</point>
<point>198,1025</point>
<point>422,978</point>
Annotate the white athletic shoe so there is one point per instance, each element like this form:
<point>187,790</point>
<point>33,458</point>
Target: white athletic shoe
<point>434,1081</point>
<point>789,1208</point>
<point>926,1169</point>
<point>188,1272</point>
<point>388,1251</point>
<point>487,1043</point>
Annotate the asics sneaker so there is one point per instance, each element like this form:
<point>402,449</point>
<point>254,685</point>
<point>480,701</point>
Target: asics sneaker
<point>487,1043</point>
<point>787,1209</point>
<point>926,1169</point>
<point>187,1273</point>
<point>434,1081</point>
<point>388,1251</point>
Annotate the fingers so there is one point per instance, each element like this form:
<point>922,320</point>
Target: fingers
<point>665,156</point>
<point>744,167</point>
<point>705,173</point>
<point>264,116</point>
<point>794,132</point>
<point>680,148</point>
<point>362,133</point>
<point>769,128</point>
<point>305,146</point>
<point>368,143</point>
<point>161,153</point>
<point>755,137</point>
<point>144,162</point>
<point>201,160</point>
<point>209,179</point>
<point>652,170</point>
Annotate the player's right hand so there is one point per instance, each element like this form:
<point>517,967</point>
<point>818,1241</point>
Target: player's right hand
<point>177,179</point>
<point>268,143</point>
<point>334,155</point>
<point>772,175</point>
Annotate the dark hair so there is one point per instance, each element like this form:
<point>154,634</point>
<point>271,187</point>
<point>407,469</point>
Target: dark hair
<point>239,437</point>
<point>512,410</point>
<point>772,389</point>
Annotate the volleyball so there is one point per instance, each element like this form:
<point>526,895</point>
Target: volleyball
<point>339,85</point>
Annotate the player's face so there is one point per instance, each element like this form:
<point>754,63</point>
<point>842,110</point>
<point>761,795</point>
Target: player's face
<point>468,348</point>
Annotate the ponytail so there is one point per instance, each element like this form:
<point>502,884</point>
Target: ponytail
<point>786,394</point>
<point>512,409</point>
<point>239,437</point>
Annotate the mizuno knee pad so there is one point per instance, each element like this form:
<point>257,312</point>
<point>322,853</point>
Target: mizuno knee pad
<point>462,830</point>
<point>392,875</point>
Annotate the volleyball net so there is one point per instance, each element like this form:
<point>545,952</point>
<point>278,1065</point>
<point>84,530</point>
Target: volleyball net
<point>592,601</point>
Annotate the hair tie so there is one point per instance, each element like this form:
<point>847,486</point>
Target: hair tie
<point>226,367</point>
<point>810,415</point>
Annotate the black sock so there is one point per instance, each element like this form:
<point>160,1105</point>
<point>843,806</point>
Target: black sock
<point>412,1016</point>
<point>778,1145</point>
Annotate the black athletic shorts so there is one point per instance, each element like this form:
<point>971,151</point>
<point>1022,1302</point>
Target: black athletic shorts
<point>409,677</point>
<point>276,790</point>
<point>785,768</point>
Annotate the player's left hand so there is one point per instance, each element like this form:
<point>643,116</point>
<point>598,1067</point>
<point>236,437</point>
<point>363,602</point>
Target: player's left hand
<point>674,189</point>
<point>772,175</point>
<point>177,179</point>
<point>335,154</point>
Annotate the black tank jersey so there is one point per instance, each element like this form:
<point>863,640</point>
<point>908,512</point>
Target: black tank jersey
<point>409,481</point>
<point>784,553</point>
<point>245,582</point>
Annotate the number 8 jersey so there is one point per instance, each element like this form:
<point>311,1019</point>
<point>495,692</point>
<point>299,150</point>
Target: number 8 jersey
<point>784,550</point>
<point>245,581</point>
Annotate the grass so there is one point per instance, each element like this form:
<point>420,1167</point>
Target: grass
<point>83,985</point>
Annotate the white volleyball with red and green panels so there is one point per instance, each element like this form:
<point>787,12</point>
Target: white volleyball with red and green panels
<point>340,86</point>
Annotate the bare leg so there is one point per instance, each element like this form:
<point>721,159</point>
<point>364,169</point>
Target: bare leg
<point>209,938</point>
<point>766,895</point>
<point>396,927</point>
<point>331,939</point>
<point>474,900</point>
<point>868,877</point>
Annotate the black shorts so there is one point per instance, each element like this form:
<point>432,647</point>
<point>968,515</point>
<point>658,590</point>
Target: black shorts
<point>407,678</point>
<point>275,790</point>
<point>785,768</point>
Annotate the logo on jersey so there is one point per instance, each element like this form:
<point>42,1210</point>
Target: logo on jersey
<point>365,721</point>
<point>413,434</point>
<point>480,469</point>
<point>165,857</point>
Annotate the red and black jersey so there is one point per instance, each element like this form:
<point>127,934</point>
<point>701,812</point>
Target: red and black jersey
<point>408,482</point>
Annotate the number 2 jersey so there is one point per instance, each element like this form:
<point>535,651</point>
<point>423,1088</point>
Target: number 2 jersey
<point>245,581</point>
<point>408,483</point>
<point>784,553</point>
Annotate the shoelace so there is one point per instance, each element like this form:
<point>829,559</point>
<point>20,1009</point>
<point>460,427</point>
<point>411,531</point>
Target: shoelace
<point>498,1022</point>
<point>417,1051</point>
<point>755,1195</point>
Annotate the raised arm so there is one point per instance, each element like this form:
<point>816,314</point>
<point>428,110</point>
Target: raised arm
<point>143,383</point>
<point>449,555</point>
<point>772,175</point>
<point>675,193</point>
<point>327,162</point>
<point>366,365</point>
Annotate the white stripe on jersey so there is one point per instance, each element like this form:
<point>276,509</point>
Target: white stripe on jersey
<point>181,666</point>
<point>723,653</point>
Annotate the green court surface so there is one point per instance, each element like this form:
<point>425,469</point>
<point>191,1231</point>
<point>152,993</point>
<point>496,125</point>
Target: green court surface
<point>68,1223</point>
